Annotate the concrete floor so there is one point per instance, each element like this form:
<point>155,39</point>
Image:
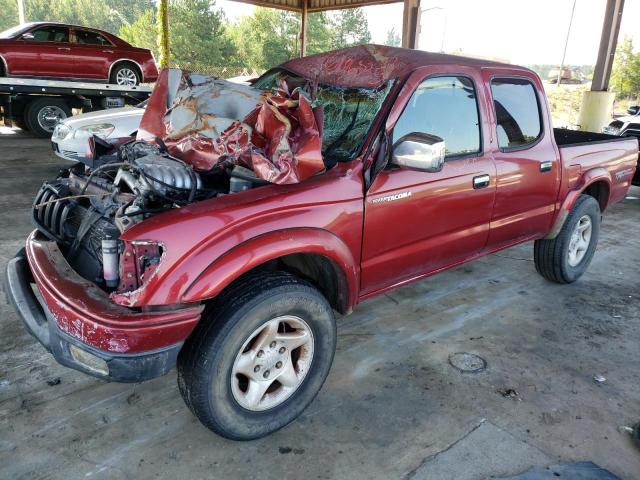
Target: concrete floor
<point>392,407</point>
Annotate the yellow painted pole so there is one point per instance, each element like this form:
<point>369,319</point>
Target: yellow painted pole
<point>163,33</point>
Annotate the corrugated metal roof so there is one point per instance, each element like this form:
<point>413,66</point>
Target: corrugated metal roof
<point>316,5</point>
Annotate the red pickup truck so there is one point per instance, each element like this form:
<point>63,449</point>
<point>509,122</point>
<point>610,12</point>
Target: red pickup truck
<point>152,257</point>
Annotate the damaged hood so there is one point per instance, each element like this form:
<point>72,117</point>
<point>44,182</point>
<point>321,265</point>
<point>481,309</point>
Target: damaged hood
<point>212,123</point>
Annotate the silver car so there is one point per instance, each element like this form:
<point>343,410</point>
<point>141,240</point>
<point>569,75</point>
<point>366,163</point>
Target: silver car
<point>70,139</point>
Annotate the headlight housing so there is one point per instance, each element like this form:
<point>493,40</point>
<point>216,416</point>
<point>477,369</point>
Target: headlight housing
<point>102,130</point>
<point>139,260</point>
<point>61,132</point>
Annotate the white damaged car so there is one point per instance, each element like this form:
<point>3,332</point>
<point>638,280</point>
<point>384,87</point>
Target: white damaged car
<point>70,139</point>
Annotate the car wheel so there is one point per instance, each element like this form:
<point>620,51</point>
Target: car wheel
<point>125,75</point>
<point>565,258</point>
<point>259,357</point>
<point>42,115</point>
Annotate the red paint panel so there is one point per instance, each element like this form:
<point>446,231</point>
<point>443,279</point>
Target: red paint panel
<point>198,235</point>
<point>85,312</point>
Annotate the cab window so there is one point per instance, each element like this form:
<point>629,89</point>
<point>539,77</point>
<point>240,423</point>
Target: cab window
<point>50,33</point>
<point>86,37</point>
<point>446,107</point>
<point>517,112</point>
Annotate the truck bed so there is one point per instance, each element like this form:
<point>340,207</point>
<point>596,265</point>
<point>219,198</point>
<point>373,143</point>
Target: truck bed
<point>568,138</point>
<point>589,150</point>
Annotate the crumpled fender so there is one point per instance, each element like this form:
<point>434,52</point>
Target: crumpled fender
<point>576,189</point>
<point>270,246</point>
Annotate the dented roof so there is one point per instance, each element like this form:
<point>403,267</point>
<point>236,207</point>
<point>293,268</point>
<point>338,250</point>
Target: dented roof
<point>370,66</point>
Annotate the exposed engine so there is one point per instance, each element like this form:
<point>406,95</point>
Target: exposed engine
<point>86,209</point>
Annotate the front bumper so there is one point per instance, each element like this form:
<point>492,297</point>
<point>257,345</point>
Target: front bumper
<point>82,329</point>
<point>67,152</point>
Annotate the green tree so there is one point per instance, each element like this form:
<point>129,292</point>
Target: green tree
<point>198,38</point>
<point>393,39</point>
<point>266,38</point>
<point>349,27</point>
<point>625,76</point>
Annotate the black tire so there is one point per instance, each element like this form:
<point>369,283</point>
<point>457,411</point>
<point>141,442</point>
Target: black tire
<point>552,256</point>
<point>35,107</point>
<point>206,360</point>
<point>113,79</point>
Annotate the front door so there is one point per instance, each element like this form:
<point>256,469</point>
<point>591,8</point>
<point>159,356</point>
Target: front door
<point>419,222</point>
<point>54,52</point>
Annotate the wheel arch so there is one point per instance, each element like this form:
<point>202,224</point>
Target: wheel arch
<point>597,184</point>
<point>4,69</point>
<point>120,61</point>
<point>315,255</point>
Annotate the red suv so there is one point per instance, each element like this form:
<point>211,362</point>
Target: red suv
<point>56,50</point>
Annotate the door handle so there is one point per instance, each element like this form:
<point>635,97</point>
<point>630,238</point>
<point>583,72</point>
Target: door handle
<point>546,166</point>
<point>481,181</point>
<point>108,51</point>
<point>64,48</point>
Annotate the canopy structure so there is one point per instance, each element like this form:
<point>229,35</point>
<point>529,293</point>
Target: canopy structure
<point>599,99</point>
<point>304,7</point>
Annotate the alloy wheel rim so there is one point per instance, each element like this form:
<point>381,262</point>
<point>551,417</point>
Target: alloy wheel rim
<point>126,77</point>
<point>580,241</point>
<point>272,363</point>
<point>50,116</point>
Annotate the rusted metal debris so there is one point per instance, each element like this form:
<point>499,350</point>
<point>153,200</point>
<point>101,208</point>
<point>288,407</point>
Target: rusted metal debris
<point>213,123</point>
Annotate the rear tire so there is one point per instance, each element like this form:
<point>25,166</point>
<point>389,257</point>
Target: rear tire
<point>125,75</point>
<point>565,258</point>
<point>42,115</point>
<point>235,330</point>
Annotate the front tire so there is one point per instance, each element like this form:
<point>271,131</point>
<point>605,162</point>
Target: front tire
<point>565,258</point>
<point>259,357</point>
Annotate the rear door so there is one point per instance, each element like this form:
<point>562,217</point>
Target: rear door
<point>93,53</point>
<point>418,222</point>
<point>526,159</point>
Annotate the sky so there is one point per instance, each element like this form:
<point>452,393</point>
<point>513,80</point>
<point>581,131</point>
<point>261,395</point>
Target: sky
<point>517,31</point>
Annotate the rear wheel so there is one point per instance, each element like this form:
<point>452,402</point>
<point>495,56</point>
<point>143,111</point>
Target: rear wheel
<point>42,115</point>
<point>125,75</point>
<point>565,258</point>
<point>260,357</point>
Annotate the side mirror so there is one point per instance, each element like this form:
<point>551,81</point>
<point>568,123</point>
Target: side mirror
<point>419,151</point>
<point>635,110</point>
<point>27,36</point>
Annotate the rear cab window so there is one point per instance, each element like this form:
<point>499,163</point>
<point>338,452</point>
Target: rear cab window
<point>445,106</point>
<point>517,110</point>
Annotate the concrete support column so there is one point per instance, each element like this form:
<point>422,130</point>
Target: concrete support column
<point>597,105</point>
<point>596,110</point>
<point>410,23</point>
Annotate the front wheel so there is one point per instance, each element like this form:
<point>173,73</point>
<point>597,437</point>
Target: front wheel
<point>259,357</point>
<point>565,258</point>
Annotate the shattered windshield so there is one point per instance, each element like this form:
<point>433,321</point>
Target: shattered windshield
<point>348,112</point>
